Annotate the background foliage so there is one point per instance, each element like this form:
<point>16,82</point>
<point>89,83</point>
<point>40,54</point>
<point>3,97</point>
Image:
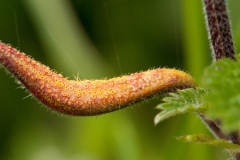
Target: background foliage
<point>98,39</point>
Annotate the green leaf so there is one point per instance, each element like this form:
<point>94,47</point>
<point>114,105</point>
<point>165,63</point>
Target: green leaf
<point>188,100</point>
<point>223,79</point>
<point>205,139</point>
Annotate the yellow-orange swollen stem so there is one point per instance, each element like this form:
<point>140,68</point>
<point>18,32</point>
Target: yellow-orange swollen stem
<point>89,97</point>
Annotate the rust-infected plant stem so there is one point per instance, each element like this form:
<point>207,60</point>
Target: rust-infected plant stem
<point>89,97</point>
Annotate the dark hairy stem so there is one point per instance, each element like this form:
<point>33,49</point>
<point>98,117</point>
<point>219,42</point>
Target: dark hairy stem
<point>214,127</point>
<point>222,45</point>
<point>234,137</point>
<point>219,29</point>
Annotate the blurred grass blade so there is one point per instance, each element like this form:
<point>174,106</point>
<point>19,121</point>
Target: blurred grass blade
<point>64,37</point>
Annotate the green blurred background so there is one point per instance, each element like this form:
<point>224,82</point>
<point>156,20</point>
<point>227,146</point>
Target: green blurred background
<point>98,39</point>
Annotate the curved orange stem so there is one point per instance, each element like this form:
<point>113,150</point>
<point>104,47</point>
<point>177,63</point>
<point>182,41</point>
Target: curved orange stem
<point>89,97</point>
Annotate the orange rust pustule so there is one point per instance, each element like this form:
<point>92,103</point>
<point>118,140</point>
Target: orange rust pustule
<point>89,97</point>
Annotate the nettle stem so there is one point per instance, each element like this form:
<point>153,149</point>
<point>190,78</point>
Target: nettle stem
<point>219,29</point>
<point>89,97</point>
<point>222,46</point>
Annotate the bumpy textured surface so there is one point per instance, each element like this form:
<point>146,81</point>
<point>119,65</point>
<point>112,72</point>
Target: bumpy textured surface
<point>219,29</point>
<point>89,97</point>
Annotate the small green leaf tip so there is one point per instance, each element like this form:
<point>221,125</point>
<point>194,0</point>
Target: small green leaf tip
<point>205,139</point>
<point>223,79</point>
<point>187,100</point>
<point>89,97</point>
